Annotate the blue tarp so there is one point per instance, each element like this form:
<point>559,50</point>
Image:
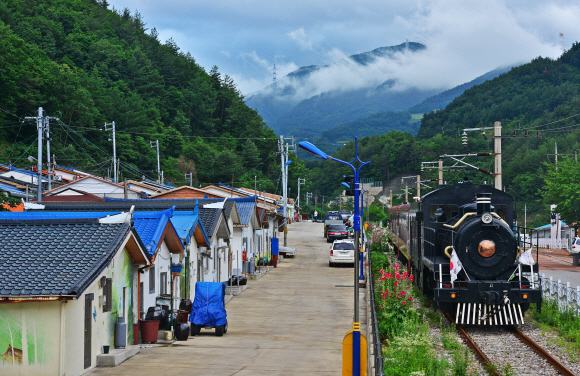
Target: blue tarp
<point>208,305</point>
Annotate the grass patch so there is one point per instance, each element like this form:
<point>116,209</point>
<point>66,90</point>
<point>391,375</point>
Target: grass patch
<point>565,323</point>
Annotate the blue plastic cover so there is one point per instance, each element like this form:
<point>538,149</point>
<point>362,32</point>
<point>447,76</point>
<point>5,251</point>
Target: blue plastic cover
<point>208,305</point>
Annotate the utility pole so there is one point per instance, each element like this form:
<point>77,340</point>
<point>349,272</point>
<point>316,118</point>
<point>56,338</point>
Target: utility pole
<point>190,177</point>
<point>40,128</point>
<point>156,145</point>
<point>391,198</point>
<point>497,153</point>
<point>300,182</point>
<point>47,130</point>
<point>284,199</point>
<point>441,172</point>
<point>115,175</point>
<point>406,192</point>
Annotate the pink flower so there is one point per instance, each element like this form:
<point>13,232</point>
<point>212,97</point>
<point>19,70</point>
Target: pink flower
<point>380,307</point>
<point>403,303</point>
<point>398,276</point>
<point>405,273</point>
<point>410,298</point>
<point>382,271</point>
<point>403,293</point>
<point>383,278</point>
<point>396,283</point>
<point>397,266</point>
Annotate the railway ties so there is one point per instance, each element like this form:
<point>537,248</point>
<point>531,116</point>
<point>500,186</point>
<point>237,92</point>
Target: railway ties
<point>502,347</point>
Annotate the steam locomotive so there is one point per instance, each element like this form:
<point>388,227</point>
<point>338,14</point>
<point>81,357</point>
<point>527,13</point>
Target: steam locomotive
<point>475,221</point>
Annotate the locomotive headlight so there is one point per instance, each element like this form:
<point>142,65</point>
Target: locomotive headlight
<point>486,218</point>
<point>486,248</point>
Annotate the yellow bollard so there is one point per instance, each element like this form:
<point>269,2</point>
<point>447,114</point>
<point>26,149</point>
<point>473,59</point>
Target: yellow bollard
<point>347,355</point>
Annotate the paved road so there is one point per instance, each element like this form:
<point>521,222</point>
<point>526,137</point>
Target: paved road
<point>289,322</point>
<point>557,263</point>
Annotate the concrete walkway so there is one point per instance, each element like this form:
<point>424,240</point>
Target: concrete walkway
<point>289,322</point>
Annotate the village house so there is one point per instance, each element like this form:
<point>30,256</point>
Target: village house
<point>98,187</point>
<point>59,305</point>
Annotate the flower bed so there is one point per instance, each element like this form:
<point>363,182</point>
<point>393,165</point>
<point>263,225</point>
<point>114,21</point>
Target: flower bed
<point>410,346</point>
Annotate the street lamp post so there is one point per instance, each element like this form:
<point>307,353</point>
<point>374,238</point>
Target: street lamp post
<point>307,146</point>
<point>362,215</point>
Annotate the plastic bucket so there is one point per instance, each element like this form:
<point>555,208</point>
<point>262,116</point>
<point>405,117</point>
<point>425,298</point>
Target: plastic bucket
<point>149,330</point>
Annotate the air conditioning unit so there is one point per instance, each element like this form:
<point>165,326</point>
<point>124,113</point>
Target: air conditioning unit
<point>58,178</point>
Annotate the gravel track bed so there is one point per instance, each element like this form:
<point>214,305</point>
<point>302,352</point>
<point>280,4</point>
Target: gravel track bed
<point>504,349</point>
<point>547,341</point>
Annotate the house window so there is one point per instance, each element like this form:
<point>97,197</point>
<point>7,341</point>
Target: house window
<point>152,279</point>
<point>163,282</point>
<point>108,292</point>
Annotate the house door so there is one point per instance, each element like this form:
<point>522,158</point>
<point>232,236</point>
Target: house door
<point>88,329</point>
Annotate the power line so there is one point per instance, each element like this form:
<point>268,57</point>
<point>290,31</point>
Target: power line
<point>180,135</point>
<point>543,125</point>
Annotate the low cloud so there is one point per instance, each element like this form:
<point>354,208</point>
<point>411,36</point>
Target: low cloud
<point>461,43</point>
<point>299,36</point>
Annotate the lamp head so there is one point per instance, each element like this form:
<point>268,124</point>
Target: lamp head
<point>310,148</point>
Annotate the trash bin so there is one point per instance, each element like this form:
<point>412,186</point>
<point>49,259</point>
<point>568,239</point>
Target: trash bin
<point>149,330</point>
<point>576,259</point>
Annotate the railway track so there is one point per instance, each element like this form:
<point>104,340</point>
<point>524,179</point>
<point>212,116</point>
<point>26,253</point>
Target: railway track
<point>500,349</point>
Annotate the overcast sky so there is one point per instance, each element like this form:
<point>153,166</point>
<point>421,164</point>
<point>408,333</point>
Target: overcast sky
<point>465,39</point>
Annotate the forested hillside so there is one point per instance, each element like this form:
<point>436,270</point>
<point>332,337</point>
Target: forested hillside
<point>542,96</point>
<point>87,64</point>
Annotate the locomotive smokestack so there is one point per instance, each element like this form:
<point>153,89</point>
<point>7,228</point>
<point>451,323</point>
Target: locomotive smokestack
<point>483,201</point>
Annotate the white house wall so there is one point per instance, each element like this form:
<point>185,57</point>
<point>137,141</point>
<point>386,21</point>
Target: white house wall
<point>52,351</point>
<point>162,264</point>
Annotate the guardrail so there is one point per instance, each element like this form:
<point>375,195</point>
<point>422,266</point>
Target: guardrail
<point>568,298</point>
<point>375,338</point>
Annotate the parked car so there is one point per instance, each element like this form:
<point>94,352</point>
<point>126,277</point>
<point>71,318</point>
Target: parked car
<point>341,252</point>
<point>209,311</point>
<point>345,215</point>
<point>335,232</point>
<point>331,219</point>
<point>575,245</point>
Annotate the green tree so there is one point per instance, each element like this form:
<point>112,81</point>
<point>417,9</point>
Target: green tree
<point>562,188</point>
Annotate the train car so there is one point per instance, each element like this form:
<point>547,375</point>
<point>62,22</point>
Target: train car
<point>475,221</point>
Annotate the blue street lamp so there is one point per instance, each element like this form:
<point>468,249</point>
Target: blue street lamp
<point>307,146</point>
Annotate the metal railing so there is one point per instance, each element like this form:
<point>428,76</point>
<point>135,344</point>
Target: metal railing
<point>375,339</point>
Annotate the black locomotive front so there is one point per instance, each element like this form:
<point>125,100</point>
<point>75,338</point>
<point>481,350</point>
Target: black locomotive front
<point>475,222</point>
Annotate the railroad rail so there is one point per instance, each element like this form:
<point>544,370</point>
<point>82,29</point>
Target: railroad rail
<point>542,352</point>
<point>489,365</point>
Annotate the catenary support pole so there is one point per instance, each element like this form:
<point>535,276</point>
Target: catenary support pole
<point>440,172</point>
<point>497,153</point>
<point>419,187</point>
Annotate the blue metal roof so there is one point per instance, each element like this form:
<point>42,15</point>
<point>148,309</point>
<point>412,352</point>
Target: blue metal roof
<point>148,224</point>
<point>185,223</point>
<point>150,227</point>
<point>246,207</point>
<point>16,216</point>
<point>545,227</point>
<point>10,188</point>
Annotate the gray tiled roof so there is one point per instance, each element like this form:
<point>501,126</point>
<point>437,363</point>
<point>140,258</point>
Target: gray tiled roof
<point>209,218</point>
<point>55,257</point>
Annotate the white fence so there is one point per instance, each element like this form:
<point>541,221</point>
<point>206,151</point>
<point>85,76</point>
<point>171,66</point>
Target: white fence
<point>551,243</point>
<point>566,296</point>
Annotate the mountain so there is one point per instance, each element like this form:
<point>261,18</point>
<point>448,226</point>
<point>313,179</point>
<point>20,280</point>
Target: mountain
<point>406,121</point>
<point>441,100</point>
<point>539,98</point>
<point>87,65</point>
<point>315,98</point>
